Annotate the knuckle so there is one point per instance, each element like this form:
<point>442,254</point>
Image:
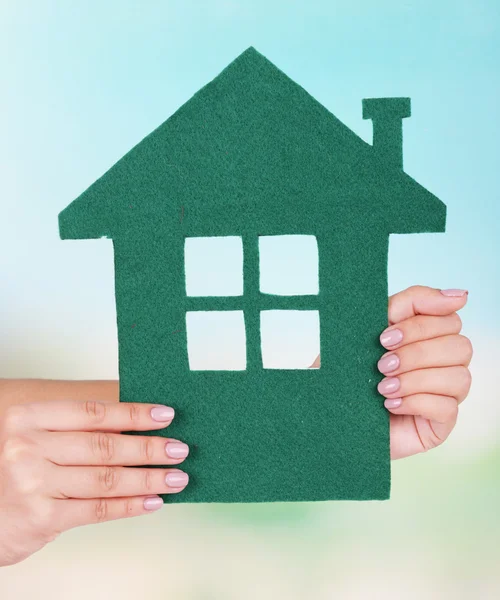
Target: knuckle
<point>446,411</point>
<point>148,480</point>
<point>134,413</point>
<point>128,507</point>
<point>147,449</point>
<point>101,510</point>
<point>103,446</point>
<point>465,379</point>
<point>26,476</point>
<point>466,347</point>
<point>451,412</point>
<point>108,479</point>
<point>420,328</point>
<point>14,417</point>
<point>415,289</point>
<point>96,411</point>
<point>27,485</point>
<point>15,450</point>
<point>457,322</point>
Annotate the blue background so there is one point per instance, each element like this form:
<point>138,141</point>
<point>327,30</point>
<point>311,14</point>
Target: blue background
<point>81,83</point>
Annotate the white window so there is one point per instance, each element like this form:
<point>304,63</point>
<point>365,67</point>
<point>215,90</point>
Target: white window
<point>214,266</point>
<point>289,265</point>
<point>290,338</point>
<point>216,315</point>
<point>216,340</point>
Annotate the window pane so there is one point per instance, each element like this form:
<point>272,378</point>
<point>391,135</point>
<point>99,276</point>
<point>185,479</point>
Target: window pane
<point>216,340</point>
<point>290,338</point>
<point>214,266</point>
<point>289,265</point>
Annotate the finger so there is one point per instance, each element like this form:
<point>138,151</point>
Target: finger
<point>317,363</point>
<point>436,416</point>
<point>113,449</point>
<point>419,328</point>
<point>112,482</point>
<point>445,351</point>
<point>441,409</point>
<point>74,513</point>
<point>97,416</point>
<point>421,300</point>
<point>445,381</point>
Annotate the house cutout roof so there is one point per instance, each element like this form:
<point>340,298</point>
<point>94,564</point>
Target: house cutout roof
<point>253,154</point>
<point>249,141</point>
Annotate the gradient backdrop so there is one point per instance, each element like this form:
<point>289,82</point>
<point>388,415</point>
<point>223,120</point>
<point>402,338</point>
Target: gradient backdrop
<point>81,83</point>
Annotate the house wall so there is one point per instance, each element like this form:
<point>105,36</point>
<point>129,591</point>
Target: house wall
<point>353,312</point>
<point>221,414</point>
<point>149,281</point>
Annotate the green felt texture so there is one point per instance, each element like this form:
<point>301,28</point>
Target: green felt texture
<point>252,153</point>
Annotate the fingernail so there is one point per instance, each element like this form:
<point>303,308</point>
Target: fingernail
<point>388,363</point>
<point>177,479</point>
<point>389,386</point>
<point>393,402</point>
<point>162,413</point>
<point>454,293</point>
<point>153,503</point>
<point>177,450</point>
<point>391,337</point>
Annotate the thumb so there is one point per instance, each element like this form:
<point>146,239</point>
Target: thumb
<point>421,300</point>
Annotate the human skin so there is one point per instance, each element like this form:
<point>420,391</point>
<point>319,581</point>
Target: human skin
<point>64,461</point>
<point>426,367</point>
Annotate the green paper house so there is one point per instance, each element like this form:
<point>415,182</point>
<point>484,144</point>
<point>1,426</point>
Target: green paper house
<point>253,154</point>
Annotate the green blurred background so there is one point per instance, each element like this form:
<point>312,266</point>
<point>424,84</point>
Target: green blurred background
<point>82,82</point>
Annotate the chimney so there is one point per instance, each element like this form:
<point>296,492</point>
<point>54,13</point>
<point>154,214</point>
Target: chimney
<point>387,115</point>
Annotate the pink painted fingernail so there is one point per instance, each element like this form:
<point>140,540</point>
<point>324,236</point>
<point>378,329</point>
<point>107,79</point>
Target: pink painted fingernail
<point>177,479</point>
<point>162,413</point>
<point>388,363</point>
<point>393,402</point>
<point>454,293</point>
<point>153,503</point>
<point>391,337</point>
<point>389,386</point>
<point>176,450</point>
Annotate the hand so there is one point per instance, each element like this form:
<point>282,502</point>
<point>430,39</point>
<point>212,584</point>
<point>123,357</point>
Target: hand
<point>63,464</point>
<point>426,367</point>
